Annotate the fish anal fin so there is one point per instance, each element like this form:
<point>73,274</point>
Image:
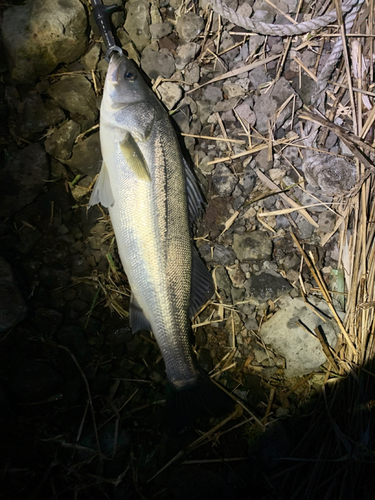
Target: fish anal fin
<point>134,158</point>
<point>137,319</point>
<point>194,196</point>
<point>102,191</point>
<point>202,287</point>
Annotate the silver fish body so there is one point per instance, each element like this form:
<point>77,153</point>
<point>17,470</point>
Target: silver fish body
<point>145,185</point>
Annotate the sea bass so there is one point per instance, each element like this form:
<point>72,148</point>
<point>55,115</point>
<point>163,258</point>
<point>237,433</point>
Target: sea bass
<point>152,199</point>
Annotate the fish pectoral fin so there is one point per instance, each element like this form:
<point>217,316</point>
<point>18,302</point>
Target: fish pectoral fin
<point>137,319</point>
<point>202,287</point>
<point>102,192</point>
<point>134,158</point>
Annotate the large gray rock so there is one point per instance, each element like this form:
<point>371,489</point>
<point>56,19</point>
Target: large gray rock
<point>12,305</point>
<point>156,64</point>
<point>252,245</point>
<point>137,22</point>
<point>60,143</point>
<point>189,26</point>
<point>22,179</point>
<point>33,116</point>
<point>303,352</point>
<point>41,34</point>
<point>76,95</point>
<point>267,285</point>
<point>86,158</point>
<point>267,104</point>
<point>185,54</point>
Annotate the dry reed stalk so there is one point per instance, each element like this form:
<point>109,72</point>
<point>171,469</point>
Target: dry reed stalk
<point>325,293</point>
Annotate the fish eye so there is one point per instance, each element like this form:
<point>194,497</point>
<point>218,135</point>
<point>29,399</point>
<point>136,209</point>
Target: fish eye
<point>129,76</point>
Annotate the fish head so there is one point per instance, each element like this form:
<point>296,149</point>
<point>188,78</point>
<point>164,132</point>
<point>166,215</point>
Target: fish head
<point>124,85</point>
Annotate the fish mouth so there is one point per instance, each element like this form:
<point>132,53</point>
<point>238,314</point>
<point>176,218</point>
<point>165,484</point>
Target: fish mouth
<point>114,66</point>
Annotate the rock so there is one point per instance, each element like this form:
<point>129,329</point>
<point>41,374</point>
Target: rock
<point>54,276</point>
<point>185,54</point>
<point>189,26</point>
<point>223,180</point>
<point>262,162</point>
<point>226,104</point>
<point>204,166</point>
<point>117,18</point>
<point>246,113</point>
<point>23,178</point>
<point>86,158</point>
<point>291,154</point>
<point>222,279</point>
<point>248,181</point>
<point>305,229</point>
<point>158,30</point>
<point>252,245</point>
<point>181,117</point>
<point>255,42</point>
<point>49,32</point>
<point>238,202</point>
<point>76,95</point>
<point>223,255</point>
<point>306,199</point>
<point>233,90</point>
<point>267,285</point>
<point>228,48</point>
<point>303,352</point>
<point>326,221</point>
<point>91,58</point>
<point>192,73</point>
<point>204,110</point>
<point>60,142</point>
<point>13,308</point>
<point>267,104</point>
<point>333,175</point>
<point>212,94</point>
<point>35,116</point>
<point>137,22</point>
<point>258,76</point>
<point>237,276</point>
<point>238,294</point>
<point>228,116</point>
<point>170,93</point>
<point>244,10</point>
<point>156,64</point>
<point>263,12</point>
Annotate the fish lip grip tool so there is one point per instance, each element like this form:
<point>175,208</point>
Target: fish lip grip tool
<point>102,15</point>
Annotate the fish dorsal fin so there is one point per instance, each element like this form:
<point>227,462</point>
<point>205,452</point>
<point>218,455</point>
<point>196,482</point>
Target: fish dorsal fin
<point>134,158</point>
<point>137,319</point>
<point>202,287</point>
<point>194,196</point>
<point>102,192</point>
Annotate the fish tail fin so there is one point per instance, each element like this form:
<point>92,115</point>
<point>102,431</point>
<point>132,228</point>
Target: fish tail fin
<point>201,398</point>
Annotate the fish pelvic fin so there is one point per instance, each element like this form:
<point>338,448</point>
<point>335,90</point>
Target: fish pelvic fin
<point>185,404</point>
<point>102,192</point>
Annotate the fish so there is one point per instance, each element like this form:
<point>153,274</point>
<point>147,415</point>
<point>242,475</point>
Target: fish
<point>153,199</point>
